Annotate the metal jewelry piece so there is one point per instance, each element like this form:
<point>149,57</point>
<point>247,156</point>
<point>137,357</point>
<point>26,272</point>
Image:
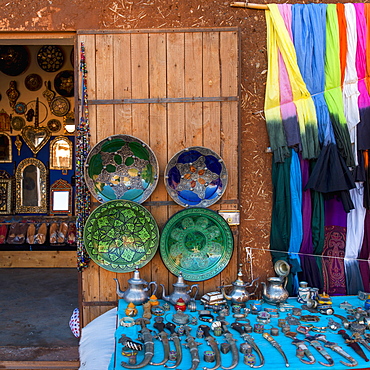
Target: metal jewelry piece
<point>225,347</point>
<point>206,317</point>
<point>209,356</point>
<point>276,345</point>
<point>148,346</point>
<point>231,341</point>
<point>127,322</point>
<point>336,348</point>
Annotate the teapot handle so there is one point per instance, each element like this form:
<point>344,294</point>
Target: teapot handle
<point>196,290</point>
<point>155,284</point>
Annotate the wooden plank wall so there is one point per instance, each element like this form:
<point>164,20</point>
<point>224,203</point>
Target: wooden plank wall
<point>176,64</point>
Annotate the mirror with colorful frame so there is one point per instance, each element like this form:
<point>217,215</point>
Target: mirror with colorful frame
<point>61,198</point>
<point>31,182</point>
<point>61,149</point>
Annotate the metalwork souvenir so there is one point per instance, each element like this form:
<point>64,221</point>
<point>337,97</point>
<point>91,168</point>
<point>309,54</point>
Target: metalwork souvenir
<point>163,336</point>
<point>59,106</point>
<point>20,108</point>
<point>33,82</point>
<point>18,123</point>
<point>148,346</point>
<point>121,235</point>
<point>225,348</point>
<point>363,295</point>
<point>127,322</point>
<point>180,290</point>
<point>353,344</point>
<point>61,198</point>
<point>6,195</point>
<point>302,350</point>
<point>137,291</point>
<point>213,300</point>
<point>54,125</point>
<point>13,94</point>
<point>31,195</point>
<point>209,356</point>
<point>196,177</point>
<point>48,94</point>
<point>14,59</point>
<point>64,84</point>
<point>276,345</point>
<point>121,167</point>
<point>258,328</point>
<point>231,342</point>
<point>5,148</point>
<point>127,342</point>
<point>4,121</point>
<point>336,348</point>
<point>213,344</point>
<point>316,344</point>
<point>239,293</point>
<point>192,345</point>
<point>50,58</point>
<point>61,153</point>
<point>18,144</point>
<point>198,242</point>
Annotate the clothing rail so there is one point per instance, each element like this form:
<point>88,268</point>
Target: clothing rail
<point>245,4</point>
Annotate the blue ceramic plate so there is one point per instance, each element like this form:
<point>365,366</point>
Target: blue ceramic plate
<point>196,177</point>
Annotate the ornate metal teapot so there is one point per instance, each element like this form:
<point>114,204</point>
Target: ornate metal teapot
<point>180,291</point>
<point>239,293</point>
<point>274,291</point>
<point>137,292</point>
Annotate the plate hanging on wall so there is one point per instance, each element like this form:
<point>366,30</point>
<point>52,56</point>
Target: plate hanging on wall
<point>33,82</point>
<point>50,58</point>
<point>64,84</point>
<point>196,177</point>
<point>121,167</point>
<point>120,235</point>
<point>14,59</point>
<point>18,123</point>
<point>198,242</point>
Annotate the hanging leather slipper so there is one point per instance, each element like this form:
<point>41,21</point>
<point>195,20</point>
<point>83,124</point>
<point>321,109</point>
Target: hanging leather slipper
<point>31,231</point>
<point>62,234</point>
<point>3,233</point>
<point>53,233</point>
<point>21,232</point>
<point>12,233</point>
<point>41,234</point>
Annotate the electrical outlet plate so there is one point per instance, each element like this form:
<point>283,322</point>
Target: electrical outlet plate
<point>232,217</point>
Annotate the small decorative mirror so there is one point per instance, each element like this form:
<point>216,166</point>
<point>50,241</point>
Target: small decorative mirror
<point>61,198</point>
<point>5,148</point>
<point>69,123</point>
<point>61,153</point>
<point>6,192</point>
<point>30,178</point>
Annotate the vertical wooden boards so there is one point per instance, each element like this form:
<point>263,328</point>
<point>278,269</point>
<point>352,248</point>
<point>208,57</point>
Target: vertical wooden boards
<point>172,89</point>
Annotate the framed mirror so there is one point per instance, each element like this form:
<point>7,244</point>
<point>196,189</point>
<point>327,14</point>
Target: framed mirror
<point>5,148</point>
<point>6,196</point>
<point>61,153</point>
<point>30,190</point>
<point>61,198</point>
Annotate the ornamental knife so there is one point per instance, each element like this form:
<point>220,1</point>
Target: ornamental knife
<point>353,344</point>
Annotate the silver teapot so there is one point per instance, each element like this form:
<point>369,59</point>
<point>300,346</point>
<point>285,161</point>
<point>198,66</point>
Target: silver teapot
<point>274,291</point>
<point>239,293</point>
<point>180,291</point>
<point>138,290</point>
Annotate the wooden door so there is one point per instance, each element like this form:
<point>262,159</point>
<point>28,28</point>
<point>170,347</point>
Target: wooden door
<point>172,89</point>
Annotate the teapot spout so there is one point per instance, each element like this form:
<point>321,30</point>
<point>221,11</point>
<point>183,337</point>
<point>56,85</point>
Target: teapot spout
<point>227,297</point>
<point>164,296</point>
<point>118,290</point>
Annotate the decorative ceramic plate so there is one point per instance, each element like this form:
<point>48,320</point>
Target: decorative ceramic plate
<point>17,123</point>
<point>50,58</point>
<point>120,235</point>
<point>195,177</point>
<point>20,108</point>
<point>198,242</point>
<point>33,82</point>
<point>64,84</point>
<point>121,167</point>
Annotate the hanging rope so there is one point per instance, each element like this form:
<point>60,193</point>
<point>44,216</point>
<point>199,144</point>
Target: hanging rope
<point>82,149</point>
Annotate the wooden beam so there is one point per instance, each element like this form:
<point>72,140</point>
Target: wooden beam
<point>37,365</point>
<point>239,4</point>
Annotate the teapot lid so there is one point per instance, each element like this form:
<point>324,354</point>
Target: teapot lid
<point>239,281</point>
<point>136,279</point>
<point>180,281</point>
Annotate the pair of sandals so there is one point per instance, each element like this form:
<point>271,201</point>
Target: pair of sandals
<point>17,233</point>
<point>58,233</point>
<point>39,237</point>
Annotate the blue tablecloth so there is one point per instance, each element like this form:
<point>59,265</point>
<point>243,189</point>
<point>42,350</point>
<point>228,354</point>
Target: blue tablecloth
<point>273,358</point>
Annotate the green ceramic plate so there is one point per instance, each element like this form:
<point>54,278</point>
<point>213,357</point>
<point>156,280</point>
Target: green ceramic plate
<point>121,167</point>
<point>120,235</point>
<point>198,242</point>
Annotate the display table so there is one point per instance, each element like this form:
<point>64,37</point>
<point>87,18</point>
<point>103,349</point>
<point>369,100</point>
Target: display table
<point>273,359</point>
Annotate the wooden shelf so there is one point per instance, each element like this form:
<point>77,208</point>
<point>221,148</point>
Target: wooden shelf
<point>38,259</point>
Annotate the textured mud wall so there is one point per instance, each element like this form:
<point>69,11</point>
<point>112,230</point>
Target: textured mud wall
<point>255,182</point>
